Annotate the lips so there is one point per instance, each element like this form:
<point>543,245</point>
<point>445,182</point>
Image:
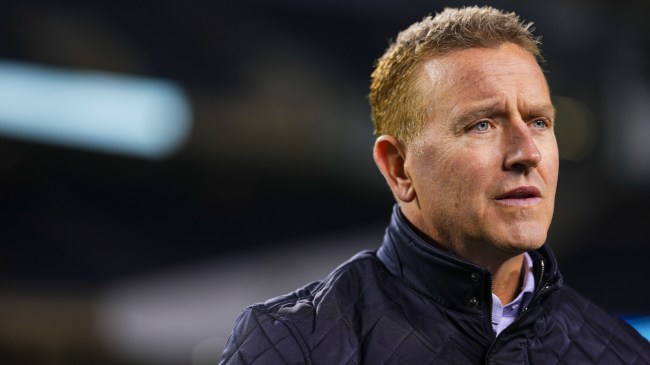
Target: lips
<point>521,192</point>
<point>523,195</point>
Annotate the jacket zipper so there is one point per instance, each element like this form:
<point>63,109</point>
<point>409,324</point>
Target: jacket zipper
<point>541,286</point>
<point>539,289</point>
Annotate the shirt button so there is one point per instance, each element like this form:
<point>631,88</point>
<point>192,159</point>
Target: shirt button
<point>473,301</point>
<point>474,277</point>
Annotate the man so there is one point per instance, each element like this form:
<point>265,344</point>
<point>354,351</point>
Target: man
<point>465,141</point>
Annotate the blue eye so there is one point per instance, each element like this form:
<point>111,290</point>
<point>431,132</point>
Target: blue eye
<point>539,123</point>
<point>482,126</point>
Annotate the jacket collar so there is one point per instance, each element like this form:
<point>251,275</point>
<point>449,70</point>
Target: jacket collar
<point>447,279</point>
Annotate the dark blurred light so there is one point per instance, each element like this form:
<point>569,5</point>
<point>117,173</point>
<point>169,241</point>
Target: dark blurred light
<point>575,128</point>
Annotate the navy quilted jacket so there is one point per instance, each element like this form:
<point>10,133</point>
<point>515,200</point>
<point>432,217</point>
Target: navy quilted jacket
<point>409,303</point>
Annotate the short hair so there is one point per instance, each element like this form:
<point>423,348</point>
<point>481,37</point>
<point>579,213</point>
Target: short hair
<point>397,108</point>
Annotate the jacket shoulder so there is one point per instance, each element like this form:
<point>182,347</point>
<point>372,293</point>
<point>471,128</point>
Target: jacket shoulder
<point>272,332</point>
<point>259,338</point>
<point>300,305</point>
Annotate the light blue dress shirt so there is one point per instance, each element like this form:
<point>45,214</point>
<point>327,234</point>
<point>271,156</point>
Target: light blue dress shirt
<point>503,316</point>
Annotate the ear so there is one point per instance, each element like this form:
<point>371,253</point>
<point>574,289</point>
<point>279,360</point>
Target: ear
<point>390,157</point>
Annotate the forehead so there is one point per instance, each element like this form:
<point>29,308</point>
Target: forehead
<point>506,73</point>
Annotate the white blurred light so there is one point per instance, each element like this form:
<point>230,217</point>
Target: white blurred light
<point>104,112</point>
<point>187,315</point>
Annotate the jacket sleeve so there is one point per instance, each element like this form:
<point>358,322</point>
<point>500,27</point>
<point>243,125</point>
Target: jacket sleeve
<point>260,339</point>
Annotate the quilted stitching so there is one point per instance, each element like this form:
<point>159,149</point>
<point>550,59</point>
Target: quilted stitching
<point>575,331</point>
<point>338,322</point>
<point>259,339</point>
<point>371,312</point>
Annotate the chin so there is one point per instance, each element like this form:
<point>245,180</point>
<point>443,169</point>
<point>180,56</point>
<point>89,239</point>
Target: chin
<point>523,243</point>
<point>523,236</point>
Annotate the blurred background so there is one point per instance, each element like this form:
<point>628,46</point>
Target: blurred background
<point>164,164</point>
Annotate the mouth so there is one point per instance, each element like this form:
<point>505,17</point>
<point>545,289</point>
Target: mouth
<point>521,196</point>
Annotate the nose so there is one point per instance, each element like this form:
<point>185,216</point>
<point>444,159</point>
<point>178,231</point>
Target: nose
<point>522,153</point>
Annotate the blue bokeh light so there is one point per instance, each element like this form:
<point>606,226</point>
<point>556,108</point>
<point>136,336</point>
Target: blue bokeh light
<point>641,324</point>
<point>111,113</point>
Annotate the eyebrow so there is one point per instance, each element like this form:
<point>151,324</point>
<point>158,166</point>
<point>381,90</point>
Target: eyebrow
<point>492,108</point>
<point>475,113</point>
<point>542,110</point>
<point>461,115</point>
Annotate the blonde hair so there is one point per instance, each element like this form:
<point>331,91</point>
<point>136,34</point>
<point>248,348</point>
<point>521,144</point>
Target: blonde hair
<point>395,102</point>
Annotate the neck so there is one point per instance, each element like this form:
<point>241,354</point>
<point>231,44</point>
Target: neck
<point>506,279</point>
<point>506,270</point>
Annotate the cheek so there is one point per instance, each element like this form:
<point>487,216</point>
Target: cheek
<point>467,173</point>
<point>472,166</point>
<point>450,173</point>
<point>550,166</point>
